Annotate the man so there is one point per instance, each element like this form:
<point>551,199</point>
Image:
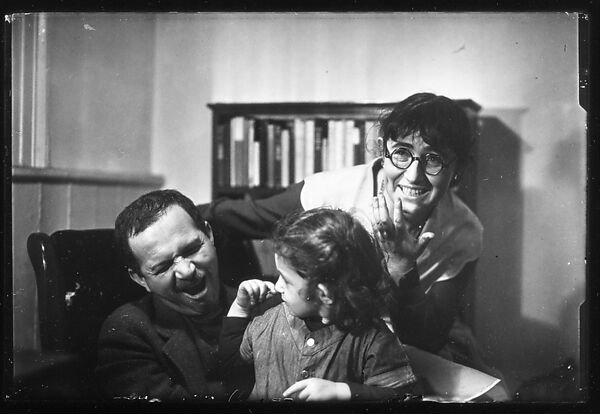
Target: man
<point>164,345</point>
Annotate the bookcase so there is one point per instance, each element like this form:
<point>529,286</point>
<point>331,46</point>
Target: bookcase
<point>261,148</point>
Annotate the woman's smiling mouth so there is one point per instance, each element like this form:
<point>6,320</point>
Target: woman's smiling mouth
<point>413,192</point>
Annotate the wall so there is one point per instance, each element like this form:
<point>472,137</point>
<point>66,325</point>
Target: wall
<point>522,68</point>
<point>81,126</point>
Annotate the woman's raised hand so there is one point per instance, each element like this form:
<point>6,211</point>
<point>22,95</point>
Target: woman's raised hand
<point>395,238</point>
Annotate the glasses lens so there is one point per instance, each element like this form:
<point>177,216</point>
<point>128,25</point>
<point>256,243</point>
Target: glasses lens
<point>401,158</point>
<point>433,164</point>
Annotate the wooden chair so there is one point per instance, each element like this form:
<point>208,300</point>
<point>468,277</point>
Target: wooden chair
<point>80,281</point>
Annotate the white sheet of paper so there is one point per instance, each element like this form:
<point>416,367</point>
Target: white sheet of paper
<point>447,380</point>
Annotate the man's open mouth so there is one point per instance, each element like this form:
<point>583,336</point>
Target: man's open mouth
<point>195,288</point>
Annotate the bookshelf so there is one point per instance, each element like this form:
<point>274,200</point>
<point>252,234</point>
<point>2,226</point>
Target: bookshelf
<point>261,148</point>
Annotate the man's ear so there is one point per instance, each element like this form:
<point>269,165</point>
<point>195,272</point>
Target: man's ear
<point>209,231</point>
<point>138,279</point>
<point>324,294</point>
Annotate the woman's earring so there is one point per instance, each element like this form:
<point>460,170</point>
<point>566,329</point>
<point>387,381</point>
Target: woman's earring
<point>455,179</point>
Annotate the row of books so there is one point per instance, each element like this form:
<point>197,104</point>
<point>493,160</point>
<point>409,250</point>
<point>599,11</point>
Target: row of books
<point>274,153</point>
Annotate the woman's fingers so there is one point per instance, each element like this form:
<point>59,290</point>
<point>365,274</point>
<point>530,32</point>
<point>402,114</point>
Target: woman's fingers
<point>375,206</point>
<point>384,214</point>
<point>382,225</point>
<point>378,224</point>
<point>423,241</point>
<point>398,219</point>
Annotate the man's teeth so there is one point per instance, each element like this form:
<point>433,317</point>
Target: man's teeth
<point>413,192</point>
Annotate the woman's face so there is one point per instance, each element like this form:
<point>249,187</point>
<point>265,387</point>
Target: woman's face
<point>419,192</point>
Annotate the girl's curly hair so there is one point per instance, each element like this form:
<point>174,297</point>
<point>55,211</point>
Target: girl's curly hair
<point>329,246</point>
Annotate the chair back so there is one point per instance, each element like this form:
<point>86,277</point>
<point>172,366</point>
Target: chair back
<point>80,281</point>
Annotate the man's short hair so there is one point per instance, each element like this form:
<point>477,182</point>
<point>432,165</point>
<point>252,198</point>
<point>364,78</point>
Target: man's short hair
<point>144,212</point>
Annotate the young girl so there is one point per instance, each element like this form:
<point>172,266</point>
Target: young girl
<point>325,339</point>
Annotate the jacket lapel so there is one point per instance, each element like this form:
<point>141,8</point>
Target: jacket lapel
<point>180,348</point>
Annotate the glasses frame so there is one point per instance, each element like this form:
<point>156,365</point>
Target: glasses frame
<point>387,154</point>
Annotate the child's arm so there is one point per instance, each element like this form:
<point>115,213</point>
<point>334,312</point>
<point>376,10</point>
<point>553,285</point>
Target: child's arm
<point>236,371</point>
<point>250,293</point>
<point>317,389</point>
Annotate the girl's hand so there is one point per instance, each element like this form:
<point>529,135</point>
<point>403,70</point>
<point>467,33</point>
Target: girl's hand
<point>317,389</point>
<point>250,293</point>
<point>393,235</point>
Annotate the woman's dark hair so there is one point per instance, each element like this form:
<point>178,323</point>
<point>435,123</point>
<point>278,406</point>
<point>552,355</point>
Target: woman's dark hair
<point>144,212</point>
<point>329,246</point>
<point>440,122</point>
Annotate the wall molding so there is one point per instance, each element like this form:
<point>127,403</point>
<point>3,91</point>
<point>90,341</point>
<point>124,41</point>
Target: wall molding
<point>67,176</point>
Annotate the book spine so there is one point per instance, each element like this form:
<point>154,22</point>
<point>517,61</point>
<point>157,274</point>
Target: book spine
<point>330,156</point>
<point>257,166</point>
<point>245,155</point>
<point>325,154</point>
<point>250,144</point>
<point>226,154</point>
<point>299,146</point>
<point>221,167</point>
<point>270,155</point>
<point>340,148</point>
<point>236,141</point>
<point>348,143</point>
<point>318,146</point>
<point>231,152</point>
<point>285,157</point>
<point>277,166</point>
<point>309,149</point>
<point>261,132</point>
<point>292,151</point>
<point>359,147</point>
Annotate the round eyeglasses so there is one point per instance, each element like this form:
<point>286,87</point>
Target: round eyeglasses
<point>402,158</point>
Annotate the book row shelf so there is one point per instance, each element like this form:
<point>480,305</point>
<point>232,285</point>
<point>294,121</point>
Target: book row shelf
<point>261,148</point>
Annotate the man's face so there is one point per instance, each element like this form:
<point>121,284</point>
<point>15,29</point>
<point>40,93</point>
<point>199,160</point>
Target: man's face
<point>178,263</point>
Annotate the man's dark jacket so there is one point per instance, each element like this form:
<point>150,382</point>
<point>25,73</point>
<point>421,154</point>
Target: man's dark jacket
<point>147,350</point>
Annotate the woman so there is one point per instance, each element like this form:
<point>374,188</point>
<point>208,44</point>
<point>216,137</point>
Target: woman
<point>430,236</point>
